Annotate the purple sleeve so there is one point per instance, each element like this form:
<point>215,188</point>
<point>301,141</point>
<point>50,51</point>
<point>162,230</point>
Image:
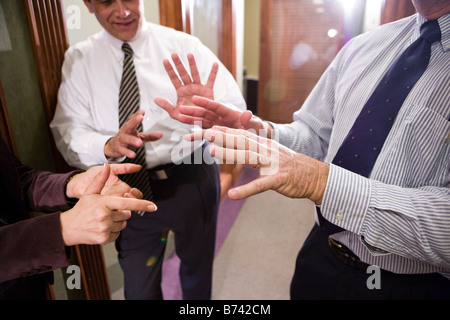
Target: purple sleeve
<point>32,246</point>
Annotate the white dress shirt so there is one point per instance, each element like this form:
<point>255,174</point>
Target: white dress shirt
<point>87,115</point>
<point>399,217</point>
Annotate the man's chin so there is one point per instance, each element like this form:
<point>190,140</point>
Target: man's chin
<point>125,32</point>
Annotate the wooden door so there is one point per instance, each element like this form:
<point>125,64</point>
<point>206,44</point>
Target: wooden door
<point>176,14</point>
<point>299,39</point>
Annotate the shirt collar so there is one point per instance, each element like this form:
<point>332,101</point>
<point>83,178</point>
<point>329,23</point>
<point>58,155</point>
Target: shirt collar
<point>444,25</point>
<point>138,43</point>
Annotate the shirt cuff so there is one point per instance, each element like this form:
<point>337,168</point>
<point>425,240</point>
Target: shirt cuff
<point>97,146</point>
<point>281,134</point>
<point>346,199</point>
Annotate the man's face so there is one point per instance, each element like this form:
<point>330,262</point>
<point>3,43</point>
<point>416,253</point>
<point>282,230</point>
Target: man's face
<point>120,18</point>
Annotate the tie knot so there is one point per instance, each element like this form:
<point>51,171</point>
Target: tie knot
<point>126,48</point>
<point>430,31</point>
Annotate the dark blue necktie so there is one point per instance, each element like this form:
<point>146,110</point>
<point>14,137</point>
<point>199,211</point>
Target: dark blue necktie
<point>365,139</point>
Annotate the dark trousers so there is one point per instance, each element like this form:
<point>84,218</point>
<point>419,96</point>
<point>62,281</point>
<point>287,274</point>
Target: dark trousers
<point>319,274</point>
<point>188,205</point>
<point>27,288</point>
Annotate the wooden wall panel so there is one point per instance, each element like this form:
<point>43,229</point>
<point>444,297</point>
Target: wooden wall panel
<point>176,14</point>
<point>227,36</point>
<point>50,41</point>
<point>170,14</point>
<point>295,50</point>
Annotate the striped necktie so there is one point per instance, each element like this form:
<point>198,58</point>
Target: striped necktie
<point>128,105</point>
<point>365,139</point>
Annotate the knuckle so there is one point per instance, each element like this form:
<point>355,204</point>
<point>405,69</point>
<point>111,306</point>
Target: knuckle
<point>102,238</point>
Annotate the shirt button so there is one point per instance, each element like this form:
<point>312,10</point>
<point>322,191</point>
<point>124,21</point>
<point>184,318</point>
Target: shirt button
<point>339,217</point>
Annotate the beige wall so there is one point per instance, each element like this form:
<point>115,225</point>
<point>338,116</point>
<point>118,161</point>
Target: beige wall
<point>251,37</point>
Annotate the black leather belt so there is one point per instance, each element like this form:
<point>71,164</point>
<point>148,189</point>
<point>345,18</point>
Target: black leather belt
<point>166,171</point>
<point>346,255</point>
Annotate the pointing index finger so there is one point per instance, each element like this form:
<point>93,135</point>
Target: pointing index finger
<point>130,204</point>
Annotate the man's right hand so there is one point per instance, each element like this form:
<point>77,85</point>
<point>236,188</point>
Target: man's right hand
<point>212,113</point>
<point>129,139</point>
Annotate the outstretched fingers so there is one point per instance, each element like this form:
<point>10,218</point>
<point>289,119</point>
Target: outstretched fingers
<point>212,75</point>
<point>211,106</point>
<point>256,186</point>
<point>237,139</point>
<point>182,72</point>
<point>194,70</point>
<point>129,204</point>
<point>172,74</point>
<point>125,168</point>
<point>240,156</point>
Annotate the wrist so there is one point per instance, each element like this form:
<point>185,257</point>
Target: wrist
<point>263,128</point>
<point>106,149</point>
<point>70,193</point>
<point>322,172</point>
<point>66,236</point>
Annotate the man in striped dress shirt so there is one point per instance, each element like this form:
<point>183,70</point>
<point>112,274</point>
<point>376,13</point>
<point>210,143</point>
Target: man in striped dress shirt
<point>394,241</point>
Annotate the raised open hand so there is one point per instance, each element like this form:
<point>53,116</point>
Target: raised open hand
<point>187,86</point>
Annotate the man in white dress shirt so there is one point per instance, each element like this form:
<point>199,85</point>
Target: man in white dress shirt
<point>185,184</point>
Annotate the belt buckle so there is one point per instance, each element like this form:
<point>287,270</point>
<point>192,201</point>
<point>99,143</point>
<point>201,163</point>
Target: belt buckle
<point>161,174</point>
<point>333,243</point>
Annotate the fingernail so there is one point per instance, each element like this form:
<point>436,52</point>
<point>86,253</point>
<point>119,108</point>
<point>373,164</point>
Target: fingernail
<point>152,208</point>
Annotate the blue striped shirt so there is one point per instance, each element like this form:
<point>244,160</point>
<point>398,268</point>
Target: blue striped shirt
<point>399,217</point>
